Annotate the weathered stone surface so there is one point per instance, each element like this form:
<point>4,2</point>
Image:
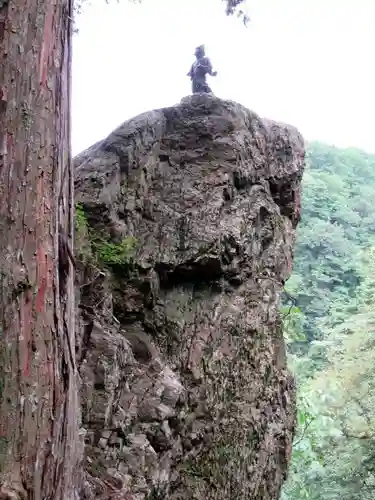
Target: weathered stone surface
<point>185,389</point>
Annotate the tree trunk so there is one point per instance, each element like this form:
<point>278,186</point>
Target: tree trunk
<point>39,442</point>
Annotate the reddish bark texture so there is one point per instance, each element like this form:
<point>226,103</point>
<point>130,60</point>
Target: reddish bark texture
<point>39,442</point>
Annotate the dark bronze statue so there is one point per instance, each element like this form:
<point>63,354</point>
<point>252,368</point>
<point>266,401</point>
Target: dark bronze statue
<point>200,68</point>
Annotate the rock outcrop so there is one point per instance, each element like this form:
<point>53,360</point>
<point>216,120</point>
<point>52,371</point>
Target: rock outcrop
<point>185,228</point>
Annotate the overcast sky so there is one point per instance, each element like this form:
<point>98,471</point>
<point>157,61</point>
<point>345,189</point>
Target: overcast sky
<point>306,62</point>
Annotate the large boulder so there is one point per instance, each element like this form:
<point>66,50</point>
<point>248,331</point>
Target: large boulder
<point>186,220</point>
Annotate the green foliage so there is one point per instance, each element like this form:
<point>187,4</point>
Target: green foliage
<point>333,288</point>
<point>95,246</point>
<point>80,218</point>
<point>292,324</point>
<point>83,248</point>
<point>337,226</point>
<point>111,254</point>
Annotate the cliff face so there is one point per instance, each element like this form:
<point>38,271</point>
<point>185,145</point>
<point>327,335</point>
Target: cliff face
<point>185,229</point>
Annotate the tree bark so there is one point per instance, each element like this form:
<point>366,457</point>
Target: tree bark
<point>39,420</point>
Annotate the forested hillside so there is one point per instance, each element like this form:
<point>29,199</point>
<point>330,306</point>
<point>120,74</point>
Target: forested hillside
<point>329,315</point>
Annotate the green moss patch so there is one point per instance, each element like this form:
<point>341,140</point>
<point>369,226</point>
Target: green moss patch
<point>114,254</point>
<point>95,246</point>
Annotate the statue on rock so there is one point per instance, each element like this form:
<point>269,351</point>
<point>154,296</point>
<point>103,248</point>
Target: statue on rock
<point>200,68</point>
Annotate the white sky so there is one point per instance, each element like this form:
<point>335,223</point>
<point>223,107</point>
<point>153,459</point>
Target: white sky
<point>310,63</point>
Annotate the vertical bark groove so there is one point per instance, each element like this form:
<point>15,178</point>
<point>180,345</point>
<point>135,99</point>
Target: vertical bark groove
<point>39,420</point>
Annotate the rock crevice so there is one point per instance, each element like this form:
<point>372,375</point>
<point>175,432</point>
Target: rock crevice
<point>186,226</point>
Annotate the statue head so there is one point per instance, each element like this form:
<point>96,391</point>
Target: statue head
<point>199,51</point>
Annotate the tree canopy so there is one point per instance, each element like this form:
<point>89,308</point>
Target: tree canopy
<point>331,331</point>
